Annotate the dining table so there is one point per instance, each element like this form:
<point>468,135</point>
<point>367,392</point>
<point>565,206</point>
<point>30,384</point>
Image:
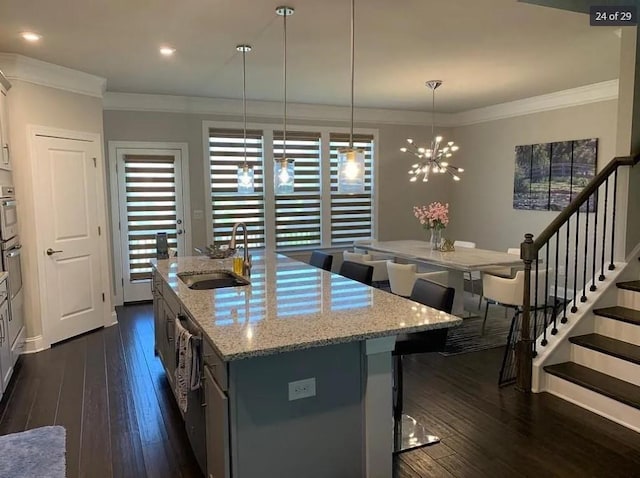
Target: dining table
<point>456,262</point>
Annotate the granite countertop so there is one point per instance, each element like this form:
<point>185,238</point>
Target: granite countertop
<point>291,305</point>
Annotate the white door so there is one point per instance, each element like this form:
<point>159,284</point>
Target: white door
<point>149,201</point>
<point>67,181</point>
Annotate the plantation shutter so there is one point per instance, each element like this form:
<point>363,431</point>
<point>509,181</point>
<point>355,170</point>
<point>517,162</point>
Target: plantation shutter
<point>351,214</point>
<point>151,208</point>
<point>298,214</point>
<point>226,153</point>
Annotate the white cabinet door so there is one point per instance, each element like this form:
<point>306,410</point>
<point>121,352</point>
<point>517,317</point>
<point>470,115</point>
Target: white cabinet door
<point>6,364</point>
<point>5,158</point>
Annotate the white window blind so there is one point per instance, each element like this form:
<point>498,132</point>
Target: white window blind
<point>351,214</point>
<point>226,152</point>
<point>298,216</point>
<point>151,208</point>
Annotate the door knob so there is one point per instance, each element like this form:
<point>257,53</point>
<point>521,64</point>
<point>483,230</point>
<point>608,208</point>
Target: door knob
<point>179,231</point>
<point>51,252</point>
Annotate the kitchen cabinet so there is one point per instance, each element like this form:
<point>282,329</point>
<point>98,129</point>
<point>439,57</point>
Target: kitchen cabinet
<point>5,157</point>
<point>217,427</point>
<point>6,362</point>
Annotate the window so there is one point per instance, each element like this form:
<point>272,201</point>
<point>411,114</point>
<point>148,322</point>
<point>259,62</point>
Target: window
<point>298,214</point>
<point>151,208</point>
<point>226,153</point>
<point>351,217</point>
<point>315,215</point>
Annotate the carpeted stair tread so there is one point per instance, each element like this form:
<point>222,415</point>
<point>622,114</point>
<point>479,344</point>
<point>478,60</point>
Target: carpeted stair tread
<point>604,384</point>
<point>633,285</point>
<point>624,314</point>
<point>609,346</point>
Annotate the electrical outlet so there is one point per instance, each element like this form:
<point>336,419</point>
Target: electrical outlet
<point>302,389</point>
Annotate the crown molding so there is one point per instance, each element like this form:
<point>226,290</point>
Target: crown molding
<point>30,70</point>
<point>603,91</point>
<point>263,109</point>
<point>582,95</point>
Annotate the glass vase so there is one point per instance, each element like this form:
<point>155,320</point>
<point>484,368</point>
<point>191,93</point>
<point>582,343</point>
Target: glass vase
<point>436,239</point>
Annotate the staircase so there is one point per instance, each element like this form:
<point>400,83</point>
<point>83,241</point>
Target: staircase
<point>603,373</point>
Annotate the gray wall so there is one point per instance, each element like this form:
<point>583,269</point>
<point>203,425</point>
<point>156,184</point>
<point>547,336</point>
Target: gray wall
<point>481,204</point>
<point>396,195</point>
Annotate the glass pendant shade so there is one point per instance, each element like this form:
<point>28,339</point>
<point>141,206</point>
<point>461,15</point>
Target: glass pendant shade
<point>246,184</point>
<point>283,175</point>
<point>350,171</point>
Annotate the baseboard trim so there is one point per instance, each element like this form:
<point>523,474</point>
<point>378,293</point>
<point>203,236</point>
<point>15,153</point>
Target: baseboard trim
<point>114,319</point>
<point>35,344</point>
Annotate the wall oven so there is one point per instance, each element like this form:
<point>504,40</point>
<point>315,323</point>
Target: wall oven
<point>10,252</point>
<point>8,213</point>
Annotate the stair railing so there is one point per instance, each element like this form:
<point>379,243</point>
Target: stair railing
<point>559,266</point>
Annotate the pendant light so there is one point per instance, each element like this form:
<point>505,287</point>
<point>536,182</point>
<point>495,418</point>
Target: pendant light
<point>246,184</point>
<point>283,170</point>
<point>351,160</point>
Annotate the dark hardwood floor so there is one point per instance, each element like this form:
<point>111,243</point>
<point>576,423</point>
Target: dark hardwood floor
<point>109,391</point>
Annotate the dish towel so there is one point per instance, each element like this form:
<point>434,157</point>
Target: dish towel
<point>187,372</point>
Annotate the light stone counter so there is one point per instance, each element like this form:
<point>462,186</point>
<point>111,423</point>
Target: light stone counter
<point>290,306</point>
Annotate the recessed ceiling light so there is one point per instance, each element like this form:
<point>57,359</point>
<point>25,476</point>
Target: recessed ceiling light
<point>31,36</point>
<point>167,50</point>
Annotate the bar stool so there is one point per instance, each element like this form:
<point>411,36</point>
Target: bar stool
<point>357,271</point>
<point>321,260</point>
<point>408,433</point>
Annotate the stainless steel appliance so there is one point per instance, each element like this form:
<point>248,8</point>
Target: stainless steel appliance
<point>8,213</point>
<point>10,249</point>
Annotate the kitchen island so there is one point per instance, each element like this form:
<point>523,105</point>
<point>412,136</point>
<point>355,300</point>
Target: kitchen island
<point>297,367</point>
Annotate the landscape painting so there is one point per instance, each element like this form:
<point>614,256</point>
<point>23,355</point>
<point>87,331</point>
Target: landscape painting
<point>549,175</point>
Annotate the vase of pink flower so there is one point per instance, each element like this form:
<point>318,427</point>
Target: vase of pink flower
<point>434,218</point>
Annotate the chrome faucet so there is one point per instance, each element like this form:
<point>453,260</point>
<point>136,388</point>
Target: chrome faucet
<point>246,261</point>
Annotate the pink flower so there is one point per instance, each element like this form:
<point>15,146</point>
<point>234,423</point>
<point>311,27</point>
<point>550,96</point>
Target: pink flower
<point>435,215</point>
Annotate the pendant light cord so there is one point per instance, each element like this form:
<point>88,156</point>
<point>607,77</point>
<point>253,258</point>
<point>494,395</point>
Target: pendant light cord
<point>244,103</point>
<point>433,112</point>
<point>284,132</point>
<point>353,41</point>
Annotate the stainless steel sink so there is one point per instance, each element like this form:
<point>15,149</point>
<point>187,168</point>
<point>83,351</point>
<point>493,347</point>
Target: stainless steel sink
<point>212,279</point>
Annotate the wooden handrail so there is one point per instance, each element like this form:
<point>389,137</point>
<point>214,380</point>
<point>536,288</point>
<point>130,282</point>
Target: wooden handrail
<point>581,198</point>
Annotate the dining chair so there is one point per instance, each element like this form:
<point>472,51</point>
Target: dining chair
<point>321,260</point>
<point>499,271</point>
<point>471,275</point>
<point>408,433</point>
<point>379,266</point>
<point>357,271</point>
<point>402,277</point>
<point>509,292</point>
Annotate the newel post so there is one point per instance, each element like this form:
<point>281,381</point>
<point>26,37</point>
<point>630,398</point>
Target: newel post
<point>524,347</point>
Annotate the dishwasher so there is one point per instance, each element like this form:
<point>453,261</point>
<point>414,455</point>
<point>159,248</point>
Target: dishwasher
<point>194,417</point>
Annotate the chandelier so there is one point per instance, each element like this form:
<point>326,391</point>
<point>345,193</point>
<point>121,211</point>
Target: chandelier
<point>435,158</point>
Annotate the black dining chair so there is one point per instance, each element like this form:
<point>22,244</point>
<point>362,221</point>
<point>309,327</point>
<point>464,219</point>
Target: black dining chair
<point>408,433</point>
<point>321,260</point>
<point>357,271</point>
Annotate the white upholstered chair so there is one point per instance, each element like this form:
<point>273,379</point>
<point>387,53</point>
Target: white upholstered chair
<point>403,276</point>
<point>499,271</point>
<point>509,292</point>
<point>379,266</point>
<point>469,275</point>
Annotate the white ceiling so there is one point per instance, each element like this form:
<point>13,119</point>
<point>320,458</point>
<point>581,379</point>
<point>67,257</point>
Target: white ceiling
<point>486,51</point>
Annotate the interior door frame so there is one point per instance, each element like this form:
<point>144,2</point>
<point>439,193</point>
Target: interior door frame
<point>114,146</point>
<point>109,313</point>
